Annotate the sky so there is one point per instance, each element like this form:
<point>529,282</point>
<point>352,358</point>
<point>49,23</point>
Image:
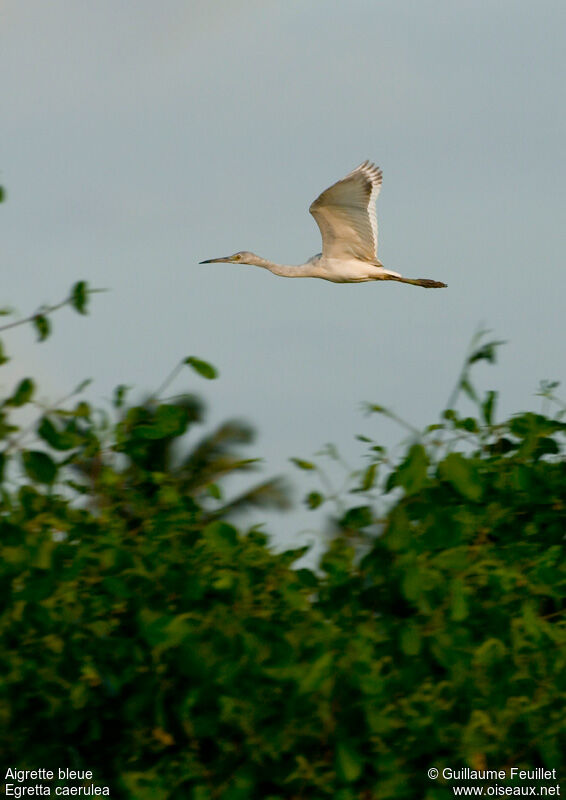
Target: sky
<point>139,139</point>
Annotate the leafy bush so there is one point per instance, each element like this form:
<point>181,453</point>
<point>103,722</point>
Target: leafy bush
<point>145,637</point>
<point>454,640</point>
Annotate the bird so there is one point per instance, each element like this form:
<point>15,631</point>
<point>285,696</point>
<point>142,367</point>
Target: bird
<point>345,214</point>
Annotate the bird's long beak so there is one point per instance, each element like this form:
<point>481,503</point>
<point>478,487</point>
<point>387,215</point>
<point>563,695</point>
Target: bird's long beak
<point>215,260</point>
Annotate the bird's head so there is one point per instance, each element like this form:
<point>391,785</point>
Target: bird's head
<point>242,257</point>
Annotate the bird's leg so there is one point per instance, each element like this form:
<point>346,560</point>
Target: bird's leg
<point>424,282</point>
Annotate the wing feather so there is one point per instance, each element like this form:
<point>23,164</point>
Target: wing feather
<point>345,214</point>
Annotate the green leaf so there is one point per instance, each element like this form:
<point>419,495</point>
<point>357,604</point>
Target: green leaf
<point>79,296</point>
<point>146,785</point>
<point>214,490</point>
<point>302,464</point>
<point>42,326</point>
<point>357,518</point>
<point>221,536</point>
<point>2,194</point>
<point>489,652</point>
<point>23,393</point>
<point>531,620</point>
<point>39,466</point>
<point>374,408</point>
<point>3,357</point>
<point>469,424</point>
<point>369,478</point>
<point>43,556</point>
<point>348,763</point>
<point>410,640</point>
<point>462,474</point>
<point>59,440</point>
<point>316,673</point>
<point>412,473</point>
<point>82,386</point>
<point>486,352</point>
<point>120,395</point>
<point>82,409</point>
<point>204,369</point>
<point>459,601</point>
<point>488,406</point>
<point>169,421</point>
<point>314,500</point>
<point>468,389</point>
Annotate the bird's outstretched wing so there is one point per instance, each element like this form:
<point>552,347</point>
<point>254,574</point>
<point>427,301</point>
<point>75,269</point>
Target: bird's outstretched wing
<point>345,214</point>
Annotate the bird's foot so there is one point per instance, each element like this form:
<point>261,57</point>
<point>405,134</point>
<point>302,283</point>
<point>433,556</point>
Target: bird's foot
<point>428,284</point>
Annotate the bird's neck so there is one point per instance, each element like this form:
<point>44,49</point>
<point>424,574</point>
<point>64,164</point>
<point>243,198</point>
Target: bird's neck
<point>285,270</point>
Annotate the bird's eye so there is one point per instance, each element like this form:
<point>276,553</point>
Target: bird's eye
<point>237,257</point>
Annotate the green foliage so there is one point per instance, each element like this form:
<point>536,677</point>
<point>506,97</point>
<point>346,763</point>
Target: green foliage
<point>42,326</point>
<point>145,637</point>
<point>41,322</point>
<point>454,610</point>
<point>39,467</point>
<point>22,394</point>
<point>203,368</point>
<point>302,464</point>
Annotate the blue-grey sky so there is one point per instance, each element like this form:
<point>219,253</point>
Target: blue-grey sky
<point>138,139</point>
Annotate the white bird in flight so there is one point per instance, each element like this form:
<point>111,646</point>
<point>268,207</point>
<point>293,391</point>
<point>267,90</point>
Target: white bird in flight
<point>345,214</point>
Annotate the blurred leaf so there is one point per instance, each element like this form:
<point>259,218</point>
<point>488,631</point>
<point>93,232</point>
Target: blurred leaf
<point>39,466</point>
<point>302,464</point>
<point>489,652</point>
<point>531,620</point>
<point>146,785</point>
<point>468,389</point>
<point>79,296</point>
<point>462,474</point>
<point>59,440</point>
<point>348,763</point>
<point>42,326</point>
<point>214,491</point>
<point>338,558</point>
<point>547,387</point>
<point>203,368</point>
<point>23,393</point>
<point>82,386</point>
<point>169,421</point>
<point>269,494</point>
<point>44,554</point>
<point>120,395</point>
<point>3,357</point>
<point>459,602</point>
<point>411,474</point>
<point>316,673</point>
<point>368,478</point>
<point>357,518</point>
<point>469,424</point>
<point>488,406</point>
<point>374,408</point>
<point>314,500</point>
<point>221,536</point>
<point>410,639</point>
<point>330,451</point>
<point>82,409</point>
<point>486,352</point>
